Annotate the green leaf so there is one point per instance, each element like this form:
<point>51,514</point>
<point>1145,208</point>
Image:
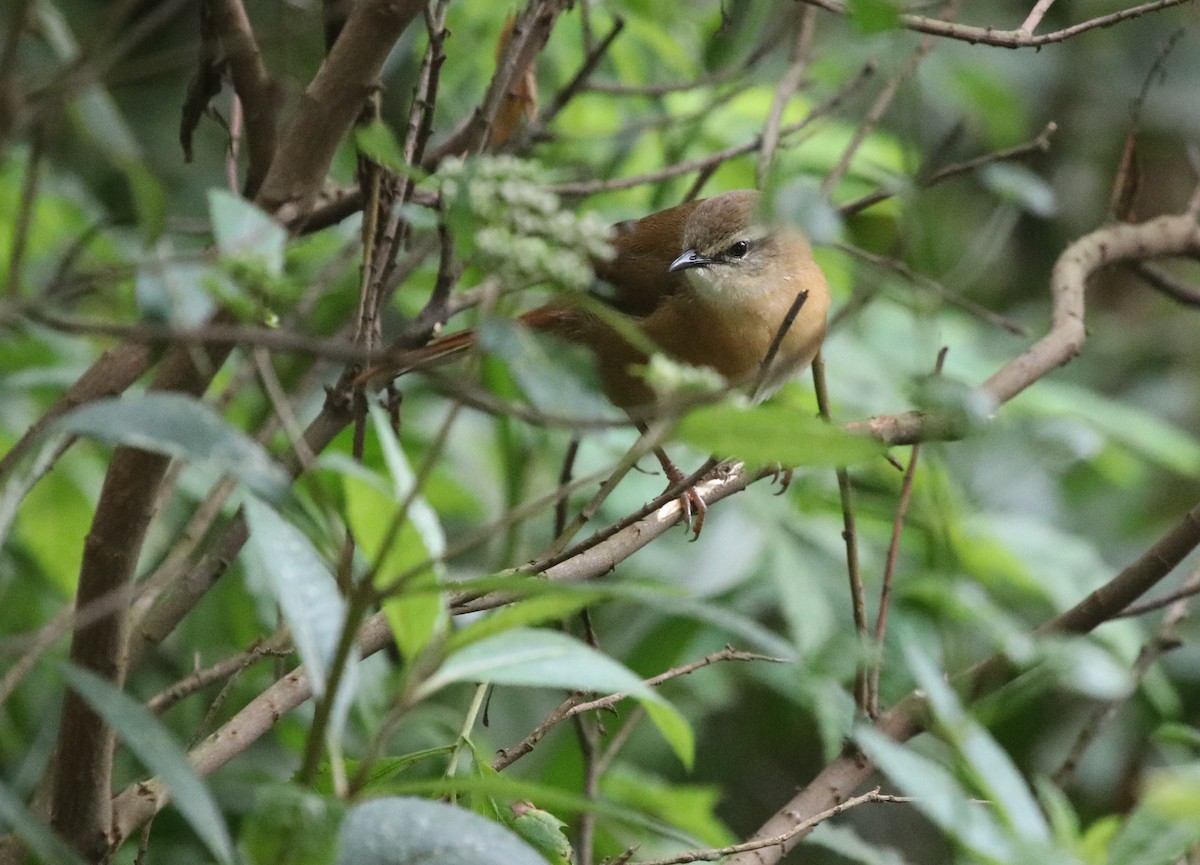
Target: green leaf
<point>544,832</point>
<point>689,807</point>
<point>174,291</point>
<point>245,233</point>
<point>1155,439</point>
<point>1087,668</point>
<point>406,831</point>
<point>799,201</point>
<point>548,607</point>
<point>150,741</point>
<point>873,16</point>
<point>1018,184</point>
<point>291,824</point>
<point>183,428</point>
<point>537,365</point>
<point>415,614</point>
<point>378,143</point>
<point>548,659</point>
<point>1064,822</point>
<point>848,844</point>
<point>992,771</point>
<point>149,198</point>
<point>304,587</point>
<point>1177,733</point>
<point>772,433</point>
<point>939,797</point>
<point>45,844</point>
<point>1165,824</point>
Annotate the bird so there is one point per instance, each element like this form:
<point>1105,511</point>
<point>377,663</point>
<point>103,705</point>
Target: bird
<point>709,283</point>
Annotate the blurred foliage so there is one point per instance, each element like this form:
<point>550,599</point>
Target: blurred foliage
<point>1035,507</point>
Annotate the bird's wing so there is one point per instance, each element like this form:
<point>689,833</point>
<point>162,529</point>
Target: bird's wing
<point>637,280</point>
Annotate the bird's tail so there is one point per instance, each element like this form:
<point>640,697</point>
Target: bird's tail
<point>547,319</point>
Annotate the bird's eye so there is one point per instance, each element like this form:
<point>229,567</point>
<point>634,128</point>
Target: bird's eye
<point>739,249</point>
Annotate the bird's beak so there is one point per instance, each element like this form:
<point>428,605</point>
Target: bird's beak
<point>691,258</point>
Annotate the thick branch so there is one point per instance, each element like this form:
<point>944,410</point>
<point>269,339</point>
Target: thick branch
<point>82,791</point>
<point>840,778</point>
<point>332,101</point>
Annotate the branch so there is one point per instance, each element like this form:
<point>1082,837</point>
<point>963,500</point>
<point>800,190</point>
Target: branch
<point>1039,144</point>
<point>1174,288</point>
<point>82,782</point>
<point>778,840</point>
<point>828,106</point>
<point>331,103</point>
<point>1006,38</point>
<point>906,719</point>
<point>1111,244</point>
<point>254,86</point>
<point>530,33</point>
<point>576,704</point>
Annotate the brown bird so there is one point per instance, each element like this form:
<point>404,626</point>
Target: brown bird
<point>709,283</point>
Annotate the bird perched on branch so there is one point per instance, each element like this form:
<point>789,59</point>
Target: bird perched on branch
<point>708,283</point>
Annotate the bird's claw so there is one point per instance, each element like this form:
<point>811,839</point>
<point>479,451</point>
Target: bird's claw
<point>694,510</point>
<point>783,477</point>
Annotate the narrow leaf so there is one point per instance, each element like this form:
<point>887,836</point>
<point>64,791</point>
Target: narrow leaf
<point>773,433</point>
<point>377,142</point>
<point>150,741</point>
<point>303,585</point>
<point>180,427</point>
<point>939,797</point>
<point>548,659</point>
<point>245,232</point>
<point>45,844</point>
<point>993,772</point>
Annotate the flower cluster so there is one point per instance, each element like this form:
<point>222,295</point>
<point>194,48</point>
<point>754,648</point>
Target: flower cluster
<point>505,221</point>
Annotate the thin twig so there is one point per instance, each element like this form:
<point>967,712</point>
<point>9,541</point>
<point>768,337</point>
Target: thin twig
<point>1039,144</point>
<point>874,114</point>
<point>889,568</point>
<point>828,106</point>
<point>1007,38</point>
<point>577,703</point>
<point>787,87</point>
<point>858,603</point>
<point>25,208</point>
<point>275,646</point>
<point>777,840</point>
<point>1174,288</point>
<point>1164,640</point>
<point>1190,588</point>
<point>579,81</point>
<point>953,298</point>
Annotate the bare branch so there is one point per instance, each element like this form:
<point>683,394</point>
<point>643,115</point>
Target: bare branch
<point>1007,38</point>
<point>254,86</point>
<point>331,104</point>
<point>529,36</point>
<point>907,718</point>
<point>577,704</point>
<point>778,840</point>
<point>828,106</point>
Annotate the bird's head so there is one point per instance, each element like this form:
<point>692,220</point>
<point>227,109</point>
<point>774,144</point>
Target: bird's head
<point>730,253</point>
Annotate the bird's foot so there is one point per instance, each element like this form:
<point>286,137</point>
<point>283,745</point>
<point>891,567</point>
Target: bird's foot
<point>690,502</point>
<point>783,477</point>
<point>694,510</point>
